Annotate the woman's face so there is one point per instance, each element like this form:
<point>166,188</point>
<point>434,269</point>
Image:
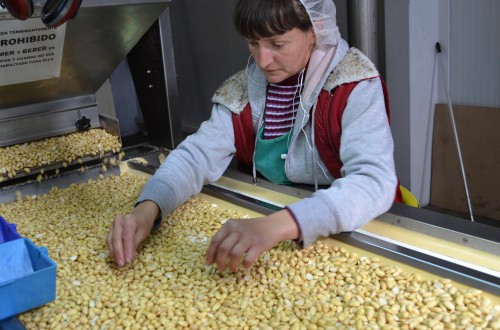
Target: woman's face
<point>281,56</point>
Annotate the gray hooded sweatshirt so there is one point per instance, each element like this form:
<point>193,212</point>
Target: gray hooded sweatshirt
<point>368,184</point>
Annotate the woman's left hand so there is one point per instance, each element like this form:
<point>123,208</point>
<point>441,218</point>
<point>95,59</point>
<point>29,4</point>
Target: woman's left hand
<point>249,238</point>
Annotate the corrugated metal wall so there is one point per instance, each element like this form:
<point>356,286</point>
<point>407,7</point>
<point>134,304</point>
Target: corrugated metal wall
<point>207,51</point>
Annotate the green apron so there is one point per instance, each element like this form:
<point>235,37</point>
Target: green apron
<point>268,157</point>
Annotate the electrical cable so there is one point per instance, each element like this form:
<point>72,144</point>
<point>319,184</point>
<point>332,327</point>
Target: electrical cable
<point>305,117</point>
<point>428,135</point>
<point>250,78</point>
<point>457,142</point>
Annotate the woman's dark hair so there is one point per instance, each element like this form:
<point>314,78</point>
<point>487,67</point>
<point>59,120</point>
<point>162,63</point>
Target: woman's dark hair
<point>266,18</point>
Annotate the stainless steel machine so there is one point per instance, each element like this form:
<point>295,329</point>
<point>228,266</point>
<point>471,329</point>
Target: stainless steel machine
<point>36,104</point>
<point>99,38</point>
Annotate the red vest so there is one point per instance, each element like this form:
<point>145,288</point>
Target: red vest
<point>328,128</point>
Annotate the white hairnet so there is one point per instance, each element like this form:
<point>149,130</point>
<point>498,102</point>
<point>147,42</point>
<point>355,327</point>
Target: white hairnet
<point>324,20</point>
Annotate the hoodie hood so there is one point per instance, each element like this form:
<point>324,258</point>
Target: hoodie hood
<point>323,18</point>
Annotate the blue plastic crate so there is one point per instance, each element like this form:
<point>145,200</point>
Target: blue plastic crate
<point>27,277</point>
<point>11,323</point>
<point>8,231</point>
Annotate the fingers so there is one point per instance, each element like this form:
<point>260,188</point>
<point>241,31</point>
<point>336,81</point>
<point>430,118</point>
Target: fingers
<point>121,240</point>
<point>251,257</point>
<point>128,239</point>
<point>228,246</point>
<point>226,249</point>
<point>214,245</point>
<point>236,253</point>
<point>116,241</point>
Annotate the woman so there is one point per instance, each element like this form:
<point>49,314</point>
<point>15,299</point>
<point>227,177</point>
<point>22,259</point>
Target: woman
<point>310,110</point>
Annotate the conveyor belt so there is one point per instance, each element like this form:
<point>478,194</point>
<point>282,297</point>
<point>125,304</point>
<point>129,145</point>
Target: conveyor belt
<point>477,277</point>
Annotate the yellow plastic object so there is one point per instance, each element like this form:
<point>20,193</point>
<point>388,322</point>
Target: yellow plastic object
<point>408,197</point>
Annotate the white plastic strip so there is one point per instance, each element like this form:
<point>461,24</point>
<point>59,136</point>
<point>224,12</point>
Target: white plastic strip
<point>247,195</point>
<point>433,254</point>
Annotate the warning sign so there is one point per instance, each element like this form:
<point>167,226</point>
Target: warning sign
<point>29,51</point>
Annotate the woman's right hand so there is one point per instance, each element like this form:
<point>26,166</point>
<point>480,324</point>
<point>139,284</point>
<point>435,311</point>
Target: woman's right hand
<point>130,230</point>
